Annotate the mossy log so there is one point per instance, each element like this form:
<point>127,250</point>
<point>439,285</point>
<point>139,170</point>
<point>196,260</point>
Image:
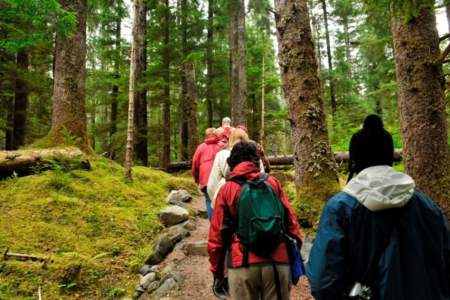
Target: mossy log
<point>25,162</point>
<point>340,157</point>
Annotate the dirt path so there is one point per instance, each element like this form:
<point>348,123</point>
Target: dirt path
<point>194,270</point>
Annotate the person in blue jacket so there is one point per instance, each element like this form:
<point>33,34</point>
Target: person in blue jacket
<point>380,235</point>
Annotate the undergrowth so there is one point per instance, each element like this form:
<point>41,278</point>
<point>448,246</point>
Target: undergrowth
<point>96,228</point>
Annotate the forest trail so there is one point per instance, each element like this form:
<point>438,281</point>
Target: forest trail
<point>194,270</point>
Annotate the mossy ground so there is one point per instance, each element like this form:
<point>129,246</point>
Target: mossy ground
<point>93,219</point>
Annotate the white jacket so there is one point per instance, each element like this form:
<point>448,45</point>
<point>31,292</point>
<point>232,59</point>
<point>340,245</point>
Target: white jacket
<point>219,172</point>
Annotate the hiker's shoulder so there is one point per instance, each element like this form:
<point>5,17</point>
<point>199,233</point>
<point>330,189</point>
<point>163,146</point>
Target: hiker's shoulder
<point>341,202</point>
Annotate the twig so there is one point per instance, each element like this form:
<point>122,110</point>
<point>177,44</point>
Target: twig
<point>444,55</point>
<point>444,37</point>
<point>39,293</point>
<point>21,256</point>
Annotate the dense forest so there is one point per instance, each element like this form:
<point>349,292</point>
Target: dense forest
<point>100,100</point>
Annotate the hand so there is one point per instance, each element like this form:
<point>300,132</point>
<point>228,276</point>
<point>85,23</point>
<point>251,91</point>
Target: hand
<point>219,288</point>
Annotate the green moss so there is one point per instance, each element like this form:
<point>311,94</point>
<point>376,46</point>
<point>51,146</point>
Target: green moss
<point>93,219</point>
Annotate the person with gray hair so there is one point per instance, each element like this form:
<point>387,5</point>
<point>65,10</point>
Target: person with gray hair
<point>226,125</point>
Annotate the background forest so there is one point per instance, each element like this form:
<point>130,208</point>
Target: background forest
<point>147,77</point>
<point>354,49</point>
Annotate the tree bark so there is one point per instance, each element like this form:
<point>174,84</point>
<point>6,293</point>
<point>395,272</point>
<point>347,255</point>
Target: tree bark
<point>184,121</point>
<point>191,108</point>
<point>165,160</point>
<point>423,118</point>
<point>315,169</point>
<point>447,11</point>
<point>21,99</point>
<point>136,44</point>
<point>237,55</point>
<point>263,101</point>
<point>115,89</point>
<point>69,111</point>
<point>24,162</point>
<point>330,61</point>
<point>209,63</point>
<point>9,130</point>
<point>140,95</point>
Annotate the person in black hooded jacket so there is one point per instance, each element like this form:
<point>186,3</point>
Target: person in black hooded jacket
<point>370,146</point>
<point>380,232</point>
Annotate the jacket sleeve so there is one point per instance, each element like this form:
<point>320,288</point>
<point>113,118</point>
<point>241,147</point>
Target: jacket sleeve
<point>196,165</point>
<point>214,177</point>
<point>446,233</point>
<point>217,241</point>
<point>326,267</point>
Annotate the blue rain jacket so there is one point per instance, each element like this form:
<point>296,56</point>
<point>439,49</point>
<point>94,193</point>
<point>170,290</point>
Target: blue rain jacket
<point>384,234</point>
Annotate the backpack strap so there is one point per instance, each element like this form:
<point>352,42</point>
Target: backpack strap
<point>277,281</point>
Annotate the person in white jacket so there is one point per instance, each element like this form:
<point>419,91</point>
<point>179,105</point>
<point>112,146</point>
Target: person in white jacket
<point>220,170</point>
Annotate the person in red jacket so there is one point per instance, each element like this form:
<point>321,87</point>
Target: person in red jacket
<point>202,162</point>
<point>255,281</point>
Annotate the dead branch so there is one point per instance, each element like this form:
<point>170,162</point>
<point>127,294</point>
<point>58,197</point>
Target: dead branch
<point>444,55</point>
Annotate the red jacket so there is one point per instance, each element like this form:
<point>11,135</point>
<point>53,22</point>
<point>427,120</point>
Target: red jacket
<point>225,210</point>
<point>203,159</point>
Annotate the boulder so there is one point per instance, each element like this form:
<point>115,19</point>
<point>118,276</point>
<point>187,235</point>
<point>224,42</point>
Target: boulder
<point>147,280</point>
<point>196,248</point>
<point>173,215</point>
<point>178,196</point>
<point>145,270</point>
<point>152,286</point>
<point>202,213</point>
<point>162,246</point>
<point>189,225</point>
<point>168,285</point>
<point>177,233</point>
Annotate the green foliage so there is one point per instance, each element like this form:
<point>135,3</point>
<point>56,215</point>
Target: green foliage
<point>31,22</point>
<point>401,8</point>
<point>91,219</point>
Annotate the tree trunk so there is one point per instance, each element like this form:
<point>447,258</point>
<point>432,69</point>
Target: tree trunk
<point>315,34</point>
<point>9,130</point>
<point>165,160</point>
<point>25,162</point>
<point>140,95</point>
<point>115,89</point>
<point>237,53</point>
<point>136,43</point>
<point>423,118</point>
<point>21,99</point>
<point>184,120</point>
<point>330,61</point>
<point>69,111</point>
<point>315,169</point>
<point>447,11</point>
<point>191,108</point>
<point>347,41</point>
<point>209,63</point>
<point>263,100</point>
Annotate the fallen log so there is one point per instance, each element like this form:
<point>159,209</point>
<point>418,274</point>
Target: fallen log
<point>340,157</point>
<point>26,162</point>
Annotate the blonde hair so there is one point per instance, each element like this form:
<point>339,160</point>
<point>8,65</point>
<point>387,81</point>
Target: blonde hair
<point>238,135</point>
<point>209,131</point>
<point>219,131</point>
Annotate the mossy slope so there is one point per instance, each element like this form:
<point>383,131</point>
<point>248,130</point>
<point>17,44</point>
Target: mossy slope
<point>93,219</point>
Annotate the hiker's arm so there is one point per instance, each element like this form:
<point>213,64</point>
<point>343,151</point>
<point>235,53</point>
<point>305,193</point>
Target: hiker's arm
<point>214,178</point>
<point>196,166</point>
<point>216,243</point>
<point>327,265</point>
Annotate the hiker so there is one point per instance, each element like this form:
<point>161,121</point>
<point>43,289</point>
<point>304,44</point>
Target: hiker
<point>366,142</point>
<point>220,169</point>
<point>251,266</point>
<point>226,126</point>
<point>202,162</point>
<point>259,151</point>
<point>380,238</point>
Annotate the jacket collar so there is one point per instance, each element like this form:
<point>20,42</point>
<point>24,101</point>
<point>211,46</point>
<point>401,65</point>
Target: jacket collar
<point>245,169</point>
<point>211,139</point>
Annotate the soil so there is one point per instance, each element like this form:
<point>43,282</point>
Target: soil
<point>197,279</point>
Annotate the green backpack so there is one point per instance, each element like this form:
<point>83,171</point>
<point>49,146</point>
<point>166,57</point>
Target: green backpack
<point>260,218</point>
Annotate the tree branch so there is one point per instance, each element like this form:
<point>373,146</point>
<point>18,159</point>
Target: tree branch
<point>444,37</point>
<point>444,55</point>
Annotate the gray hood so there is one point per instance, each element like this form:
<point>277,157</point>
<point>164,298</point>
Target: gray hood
<point>381,187</point>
